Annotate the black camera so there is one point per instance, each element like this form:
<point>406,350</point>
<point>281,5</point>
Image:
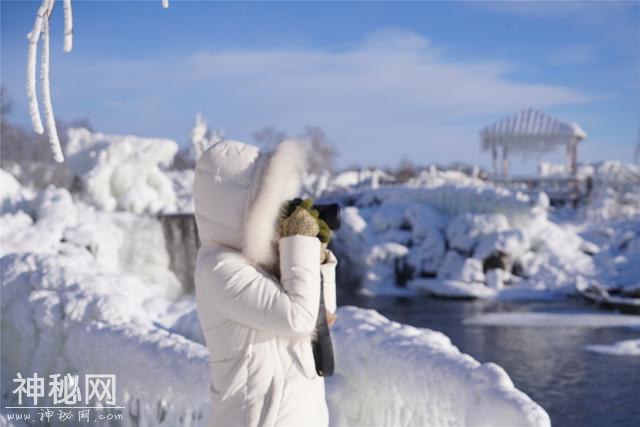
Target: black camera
<point>329,213</point>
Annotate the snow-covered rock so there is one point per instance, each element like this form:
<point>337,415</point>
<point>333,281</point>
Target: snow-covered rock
<point>513,243</point>
<point>464,231</point>
<point>458,267</point>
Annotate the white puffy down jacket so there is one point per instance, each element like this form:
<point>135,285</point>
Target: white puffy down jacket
<point>257,328</point>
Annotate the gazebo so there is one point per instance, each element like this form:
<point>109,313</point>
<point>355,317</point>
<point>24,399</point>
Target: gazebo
<point>531,131</point>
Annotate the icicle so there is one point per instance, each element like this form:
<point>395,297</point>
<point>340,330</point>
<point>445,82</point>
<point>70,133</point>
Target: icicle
<point>50,121</point>
<point>68,26</point>
<point>165,4</point>
<point>34,37</point>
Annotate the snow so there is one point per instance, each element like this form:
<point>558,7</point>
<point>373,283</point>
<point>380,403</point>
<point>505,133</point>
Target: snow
<point>123,172</point>
<point>445,388</point>
<point>10,190</point>
<point>464,231</point>
<point>445,230</point>
<point>82,286</point>
<point>620,348</point>
<point>315,185</point>
<point>552,320</point>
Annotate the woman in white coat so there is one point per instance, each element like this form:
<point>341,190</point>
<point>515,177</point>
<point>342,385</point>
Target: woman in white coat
<point>258,293</point>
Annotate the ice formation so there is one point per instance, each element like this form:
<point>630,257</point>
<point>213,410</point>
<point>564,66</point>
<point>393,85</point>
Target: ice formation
<point>122,172</point>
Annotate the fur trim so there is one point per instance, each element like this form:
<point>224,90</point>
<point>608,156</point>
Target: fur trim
<point>279,181</point>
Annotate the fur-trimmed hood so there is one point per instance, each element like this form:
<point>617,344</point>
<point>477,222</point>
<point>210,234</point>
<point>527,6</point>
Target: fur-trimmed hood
<point>238,193</point>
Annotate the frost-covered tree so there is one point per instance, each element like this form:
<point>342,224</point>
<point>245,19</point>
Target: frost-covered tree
<point>201,138</point>
<point>40,34</point>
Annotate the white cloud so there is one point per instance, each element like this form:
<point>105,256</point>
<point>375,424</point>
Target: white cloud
<point>389,74</point>
<point>395,89</point>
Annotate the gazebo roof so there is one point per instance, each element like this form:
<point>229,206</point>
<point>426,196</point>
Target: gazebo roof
<point>530,131</point>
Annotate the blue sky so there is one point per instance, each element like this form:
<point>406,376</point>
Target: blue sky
<point>385,80</point>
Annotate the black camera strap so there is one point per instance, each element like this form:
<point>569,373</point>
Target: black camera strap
<point>322,345</point>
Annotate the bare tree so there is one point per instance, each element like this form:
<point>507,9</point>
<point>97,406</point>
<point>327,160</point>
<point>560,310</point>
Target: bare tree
<point>20,146</point>
<point>323,153</point>
<point>405,170</point>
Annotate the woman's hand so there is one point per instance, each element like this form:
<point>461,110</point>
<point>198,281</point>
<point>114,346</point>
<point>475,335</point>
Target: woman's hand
<point>306,221</point>
<point>300,222</point>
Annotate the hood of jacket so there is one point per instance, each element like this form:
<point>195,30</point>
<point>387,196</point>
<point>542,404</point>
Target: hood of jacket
<point>238,193</point>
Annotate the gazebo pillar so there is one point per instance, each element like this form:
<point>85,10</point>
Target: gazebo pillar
<point>494,157</point>
<point>505,161</point>
<point>572,156</point>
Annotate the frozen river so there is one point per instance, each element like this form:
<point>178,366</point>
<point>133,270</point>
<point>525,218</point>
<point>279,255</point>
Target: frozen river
<point>551,364</point>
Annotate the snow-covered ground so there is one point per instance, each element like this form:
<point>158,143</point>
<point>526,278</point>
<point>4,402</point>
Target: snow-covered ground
<point>87,288</point>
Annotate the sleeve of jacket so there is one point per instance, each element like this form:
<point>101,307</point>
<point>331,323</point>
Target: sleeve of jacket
<point>246,295</point>
<point>328,270</point>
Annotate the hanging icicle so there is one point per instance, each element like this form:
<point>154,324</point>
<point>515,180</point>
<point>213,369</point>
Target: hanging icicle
<point>40,32</point>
